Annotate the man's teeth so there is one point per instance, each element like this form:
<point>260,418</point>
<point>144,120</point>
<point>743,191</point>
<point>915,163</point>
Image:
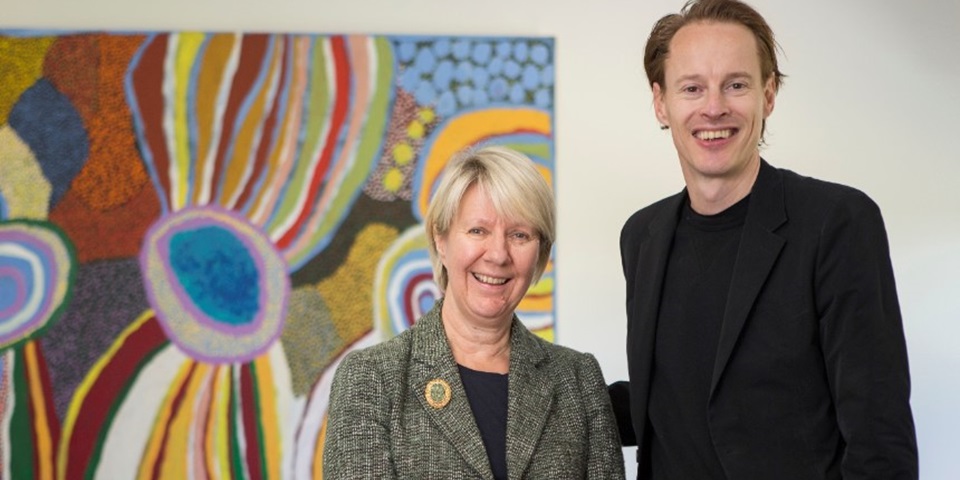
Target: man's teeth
<point>490,280</point>
<point>714,134</point>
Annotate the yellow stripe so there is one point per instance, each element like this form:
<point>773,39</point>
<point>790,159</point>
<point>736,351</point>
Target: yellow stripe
<point>41,422</point>
<point>175,462</point>
<point>269,421</point>
<point>209,458</point>
<point>188,47</point>
<point>209,82</point>
<point>151,454</point>
<point>252,126</point>
<point>73,411</point>
<point>318,454</point>
<point>218,446</point>
<point>536,303</point>
<point>546,334</point>
<point>470,128</point>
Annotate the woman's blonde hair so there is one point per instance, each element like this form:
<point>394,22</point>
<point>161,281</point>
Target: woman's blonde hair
<point>516,188</point>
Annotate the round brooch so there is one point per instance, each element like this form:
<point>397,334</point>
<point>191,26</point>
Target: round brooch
<point>437,393</point>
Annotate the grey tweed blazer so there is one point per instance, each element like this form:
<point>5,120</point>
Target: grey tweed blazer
<point>560,424</point>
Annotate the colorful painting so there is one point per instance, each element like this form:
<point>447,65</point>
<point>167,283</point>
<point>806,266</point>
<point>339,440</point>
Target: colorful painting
<point>195,227</point>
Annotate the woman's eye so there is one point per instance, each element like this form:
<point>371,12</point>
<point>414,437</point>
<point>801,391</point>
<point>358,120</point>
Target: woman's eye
<point>521,237</point>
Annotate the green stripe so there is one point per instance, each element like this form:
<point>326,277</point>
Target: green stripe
<point>258,410</point>
<point>22,452</point>
<point>539,150</point>
<point>236,456</point>
<point>369,144</point>
<point>315,113</point>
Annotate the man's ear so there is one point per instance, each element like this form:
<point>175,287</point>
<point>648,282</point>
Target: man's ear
<point>658,106</point>
<point>769,96</point>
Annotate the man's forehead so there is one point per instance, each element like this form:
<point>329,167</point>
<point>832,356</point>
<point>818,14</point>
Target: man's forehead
<point>730,47</point>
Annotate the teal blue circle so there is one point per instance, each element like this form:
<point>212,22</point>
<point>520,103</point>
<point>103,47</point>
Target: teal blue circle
<point>218,273</point>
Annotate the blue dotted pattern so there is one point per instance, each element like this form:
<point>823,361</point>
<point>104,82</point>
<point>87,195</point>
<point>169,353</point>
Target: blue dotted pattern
<point>465,73</point>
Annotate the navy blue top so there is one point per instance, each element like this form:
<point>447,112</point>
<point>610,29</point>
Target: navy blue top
<point>487,394</point>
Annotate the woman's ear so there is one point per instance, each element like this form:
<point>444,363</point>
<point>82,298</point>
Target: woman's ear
<point>441,244</point>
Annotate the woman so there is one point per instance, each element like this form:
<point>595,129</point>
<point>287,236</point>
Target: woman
<point>468,391</point>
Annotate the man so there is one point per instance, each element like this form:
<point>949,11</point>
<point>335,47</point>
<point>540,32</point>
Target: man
<point>764,332</point>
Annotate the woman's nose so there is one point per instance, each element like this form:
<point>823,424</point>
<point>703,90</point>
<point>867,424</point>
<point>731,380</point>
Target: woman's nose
<point>498,249</point>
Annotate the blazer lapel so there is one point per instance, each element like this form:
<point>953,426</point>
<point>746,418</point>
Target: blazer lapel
<point>651,266</point>
<point>759,249</point>
<point>432,359</point>
<point>530,398</point>
<point>654,251</point>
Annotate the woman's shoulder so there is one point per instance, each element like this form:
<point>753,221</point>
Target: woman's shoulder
<point>386,350</point>
<point>566,358</point>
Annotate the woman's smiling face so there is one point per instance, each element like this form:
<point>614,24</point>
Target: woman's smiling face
<point>490,261</point>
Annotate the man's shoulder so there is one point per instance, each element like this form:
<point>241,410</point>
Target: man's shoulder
<point>819,194</point>
<point>642,217</point>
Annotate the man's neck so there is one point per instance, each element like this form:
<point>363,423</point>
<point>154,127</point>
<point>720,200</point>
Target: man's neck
<point>712,195</point>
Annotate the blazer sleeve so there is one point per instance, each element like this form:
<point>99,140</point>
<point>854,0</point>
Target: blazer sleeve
<point>863,343</point>
<point>357,444</point>
<point>619,392</point>
<point>606,458</point>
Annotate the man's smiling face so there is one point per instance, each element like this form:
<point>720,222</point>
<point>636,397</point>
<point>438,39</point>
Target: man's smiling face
<point>714,99</point>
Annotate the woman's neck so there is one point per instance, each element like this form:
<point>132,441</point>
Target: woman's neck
<point>481,348</point>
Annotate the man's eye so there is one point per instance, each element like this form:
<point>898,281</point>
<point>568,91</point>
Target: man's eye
<point>738,85</point>
<point>690,89</point>
<point>475,231</point>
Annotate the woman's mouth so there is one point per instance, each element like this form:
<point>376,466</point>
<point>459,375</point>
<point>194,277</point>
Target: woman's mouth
<point>489,280</point>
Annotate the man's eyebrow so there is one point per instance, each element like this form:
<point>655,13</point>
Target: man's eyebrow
<point>699,77</point>
<point>740,75</point>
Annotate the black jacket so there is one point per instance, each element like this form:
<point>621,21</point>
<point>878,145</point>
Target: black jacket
<point>811,378</point>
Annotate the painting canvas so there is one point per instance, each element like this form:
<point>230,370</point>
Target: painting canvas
<point>196,226</point>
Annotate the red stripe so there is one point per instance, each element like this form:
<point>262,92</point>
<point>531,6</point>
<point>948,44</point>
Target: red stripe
<point>253,48</point>
<point>250,423</point>
<point>269,137</point>
<point>93,414</point>
<point>408,298</point>
<point>174,408</point>
<point>147,79</point>
<point>342,67</point>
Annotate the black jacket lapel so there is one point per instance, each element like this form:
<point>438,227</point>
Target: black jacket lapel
<point>651,263</point>
<point>759,249</point>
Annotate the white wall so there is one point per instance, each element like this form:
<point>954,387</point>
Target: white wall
<point>872,100</point>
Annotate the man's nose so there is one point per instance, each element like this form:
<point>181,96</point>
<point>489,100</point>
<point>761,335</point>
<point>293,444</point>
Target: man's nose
<point>716,104</point>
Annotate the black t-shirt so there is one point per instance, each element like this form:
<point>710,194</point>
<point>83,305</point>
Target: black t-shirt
<point>695,290</point>
<point>487,394</point>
